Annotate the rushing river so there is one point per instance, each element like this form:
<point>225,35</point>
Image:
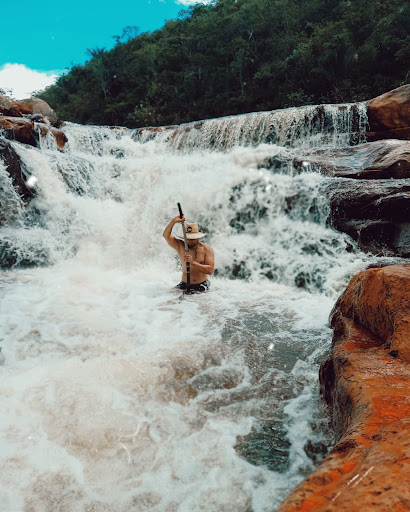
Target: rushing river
<point>119,394</point>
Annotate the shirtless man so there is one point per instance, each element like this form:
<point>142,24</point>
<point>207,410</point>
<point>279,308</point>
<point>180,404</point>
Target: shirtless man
<point>201,256</point>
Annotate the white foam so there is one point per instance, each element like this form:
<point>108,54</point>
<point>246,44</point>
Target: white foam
<point>120,394</point>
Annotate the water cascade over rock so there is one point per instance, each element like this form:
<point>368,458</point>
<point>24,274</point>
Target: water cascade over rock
<point>120,394</point>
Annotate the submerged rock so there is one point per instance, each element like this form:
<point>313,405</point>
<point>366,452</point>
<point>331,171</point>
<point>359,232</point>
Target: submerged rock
<point>366,382</point>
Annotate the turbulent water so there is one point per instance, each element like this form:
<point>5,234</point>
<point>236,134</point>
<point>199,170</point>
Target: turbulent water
<point>119,394</point>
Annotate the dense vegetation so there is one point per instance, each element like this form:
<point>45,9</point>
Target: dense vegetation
<point>238,56</point>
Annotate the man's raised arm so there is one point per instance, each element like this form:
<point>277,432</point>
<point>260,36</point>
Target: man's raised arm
<point>171,240</point>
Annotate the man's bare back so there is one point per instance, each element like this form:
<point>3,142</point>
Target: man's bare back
<point>201,256</point>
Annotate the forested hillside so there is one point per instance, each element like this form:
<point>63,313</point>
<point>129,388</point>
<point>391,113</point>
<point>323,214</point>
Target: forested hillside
<point>237,56</point>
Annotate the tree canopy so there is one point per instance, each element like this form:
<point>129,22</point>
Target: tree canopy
<point>236,56</point>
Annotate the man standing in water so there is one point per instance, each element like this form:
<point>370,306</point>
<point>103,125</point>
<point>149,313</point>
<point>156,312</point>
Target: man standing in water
<point>201,256</point>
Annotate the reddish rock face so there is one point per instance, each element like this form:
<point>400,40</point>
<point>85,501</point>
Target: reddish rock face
<point>389,115</point>
<point>379,300</point>
<point>29,107</point>
<point>13,108</point>
<point>60,136</point>
<point>366,381</point>
<point>18,128</point>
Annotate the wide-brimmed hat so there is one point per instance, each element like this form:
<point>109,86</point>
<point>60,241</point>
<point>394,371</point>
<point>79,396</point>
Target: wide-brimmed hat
<point>192,232</point>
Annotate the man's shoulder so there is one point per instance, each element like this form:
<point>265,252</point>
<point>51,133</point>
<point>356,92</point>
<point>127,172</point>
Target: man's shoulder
<point>207,247</point>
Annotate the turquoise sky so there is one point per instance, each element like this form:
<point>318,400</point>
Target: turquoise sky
<point>52,35</point>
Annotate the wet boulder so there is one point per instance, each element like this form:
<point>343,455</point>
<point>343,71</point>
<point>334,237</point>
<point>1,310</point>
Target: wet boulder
<point>374,213</point>
<point>373,205</point>
<point>389,115</point>
<point>16,170</point>
<point>44,129</point>
<point>19,129</point>
<point>374,160</point>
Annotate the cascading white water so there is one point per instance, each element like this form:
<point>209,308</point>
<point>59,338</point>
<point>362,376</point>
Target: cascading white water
<point>324,125</point>
<point>119,394</point>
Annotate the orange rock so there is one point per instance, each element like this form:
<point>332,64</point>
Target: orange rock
<point>389,115</point>
<point>13,108</point>
<point>18,128</point>
<point>368,389</point>
<point>44,129</point>
<point>60,137</point>
<point>379,300</point>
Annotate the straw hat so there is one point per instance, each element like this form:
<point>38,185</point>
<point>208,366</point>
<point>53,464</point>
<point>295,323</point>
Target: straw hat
<point>192,232</point>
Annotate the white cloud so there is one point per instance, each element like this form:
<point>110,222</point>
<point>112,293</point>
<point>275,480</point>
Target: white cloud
<point>23,81</point>
<point>193,2</point>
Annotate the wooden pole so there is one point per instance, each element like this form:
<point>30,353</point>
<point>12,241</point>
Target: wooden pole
<point>188,265</point>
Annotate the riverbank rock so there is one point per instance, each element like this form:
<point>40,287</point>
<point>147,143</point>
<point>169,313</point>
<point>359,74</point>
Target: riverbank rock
<point>30,107</point>
<point>389,115</point>
<point>366,382</point>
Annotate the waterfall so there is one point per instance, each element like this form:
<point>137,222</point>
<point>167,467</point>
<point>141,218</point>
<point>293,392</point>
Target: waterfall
<point>119,393</point>
<point>324,125</point>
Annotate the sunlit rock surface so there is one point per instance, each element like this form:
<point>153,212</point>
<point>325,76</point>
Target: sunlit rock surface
<point>28,120</point>
<point>40,107</point>
<point>366,382</point>
<point>389,115</point>
<point>9,107</point>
